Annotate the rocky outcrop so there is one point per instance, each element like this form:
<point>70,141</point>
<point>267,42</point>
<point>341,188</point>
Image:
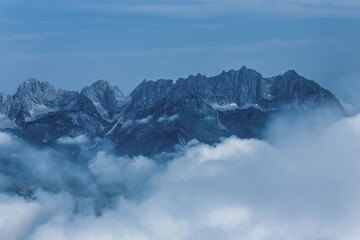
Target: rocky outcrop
<point>159,115</point>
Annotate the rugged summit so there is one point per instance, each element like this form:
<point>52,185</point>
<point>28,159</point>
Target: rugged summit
<point>244,88</point>
<point>159,115</point>
<point>106,98</point>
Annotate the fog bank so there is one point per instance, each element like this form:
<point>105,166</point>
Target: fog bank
<point>301,184</point>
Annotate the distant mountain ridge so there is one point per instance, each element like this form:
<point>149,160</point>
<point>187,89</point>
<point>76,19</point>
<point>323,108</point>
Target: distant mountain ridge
<point>158,115</point>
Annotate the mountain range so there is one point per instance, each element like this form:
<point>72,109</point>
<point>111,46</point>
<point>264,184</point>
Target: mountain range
<point>161,115</point>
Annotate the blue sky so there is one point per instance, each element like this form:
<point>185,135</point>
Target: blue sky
<point>74,43</point>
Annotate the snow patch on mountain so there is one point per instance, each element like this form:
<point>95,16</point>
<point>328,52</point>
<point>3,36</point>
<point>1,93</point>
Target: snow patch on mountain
<point>73,140</point>
<point>144,120</point>
<point>168,118</point>
<point>225,107</point>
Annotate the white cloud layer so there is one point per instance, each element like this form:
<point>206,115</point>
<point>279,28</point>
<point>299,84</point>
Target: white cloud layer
<point>4,139</point>
<point>302,185</point>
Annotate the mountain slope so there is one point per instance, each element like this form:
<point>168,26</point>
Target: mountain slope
<point>159,115</point>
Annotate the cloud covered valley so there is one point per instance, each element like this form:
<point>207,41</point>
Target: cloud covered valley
<point>296,184</point>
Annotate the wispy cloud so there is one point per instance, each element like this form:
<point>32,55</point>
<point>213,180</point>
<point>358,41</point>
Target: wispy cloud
<point>21,37</point>
<point>211,8</point>
<point>54,21</point>
<point>9,20</point>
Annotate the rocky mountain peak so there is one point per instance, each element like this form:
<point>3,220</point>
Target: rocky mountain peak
<point>35,89</point>
<point>290,74</point>
<point>103,90</point>
<point>105,97</point>
<point>160,114</point>
<point>147,90</point>
<point>101,85</point>
<point>245,72</point>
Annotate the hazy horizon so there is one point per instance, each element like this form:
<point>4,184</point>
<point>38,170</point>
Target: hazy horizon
<point>73,43</point>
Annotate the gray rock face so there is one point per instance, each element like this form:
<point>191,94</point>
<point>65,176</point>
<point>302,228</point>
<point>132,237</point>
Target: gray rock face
<point>33,98</point>
<point>5,106</point>
<point>207,108</point>
<point>5,103</point>
<point>106,98</point>
<point>159,115</point>
<point>244,88</point>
